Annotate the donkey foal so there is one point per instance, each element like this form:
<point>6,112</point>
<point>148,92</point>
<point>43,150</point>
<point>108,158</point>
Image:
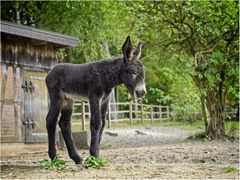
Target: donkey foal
<point>93,82</point>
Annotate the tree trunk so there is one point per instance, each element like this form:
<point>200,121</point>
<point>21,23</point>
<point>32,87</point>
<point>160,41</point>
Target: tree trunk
<point>69,55</point>
<point>198,83</point>
<point>204,113</point>
<point>214,101</point>
<point>215,128</point>
<point>112,98</point>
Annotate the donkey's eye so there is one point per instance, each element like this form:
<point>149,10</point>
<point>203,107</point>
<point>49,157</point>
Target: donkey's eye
<point>134,75</point>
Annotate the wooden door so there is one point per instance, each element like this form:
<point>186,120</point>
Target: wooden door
<point>35,106</point>
<point>10,103</point>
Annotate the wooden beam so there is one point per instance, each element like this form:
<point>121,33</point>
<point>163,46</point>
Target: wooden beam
<point>34,33</point>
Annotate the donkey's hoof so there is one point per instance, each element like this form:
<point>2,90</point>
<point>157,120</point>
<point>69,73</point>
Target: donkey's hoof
<point>53,158</point>
<point>78,161</point>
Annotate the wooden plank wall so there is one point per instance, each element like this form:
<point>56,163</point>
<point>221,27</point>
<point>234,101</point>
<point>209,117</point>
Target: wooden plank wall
<point>18,55</point>
<point>28,53</point>
<point>10,91</point>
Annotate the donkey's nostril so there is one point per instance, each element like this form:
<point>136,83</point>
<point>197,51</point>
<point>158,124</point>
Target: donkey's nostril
<point>140,93</point>
<point>140,89</point>
<point>143,92</point>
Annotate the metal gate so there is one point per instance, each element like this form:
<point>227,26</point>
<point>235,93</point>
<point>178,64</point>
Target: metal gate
<point>35,106</point>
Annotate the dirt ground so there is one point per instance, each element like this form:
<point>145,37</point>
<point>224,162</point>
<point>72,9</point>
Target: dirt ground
<point>138,153</point>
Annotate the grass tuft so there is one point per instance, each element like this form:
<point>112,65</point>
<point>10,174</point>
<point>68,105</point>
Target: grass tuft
<point>94,162</point>
<point>230,169</point>
<point>55,164</point>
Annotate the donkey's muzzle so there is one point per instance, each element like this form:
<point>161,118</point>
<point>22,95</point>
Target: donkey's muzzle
<point>140,93</point>
<point>140,89</point>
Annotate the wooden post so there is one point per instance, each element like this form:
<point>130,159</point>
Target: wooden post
<point>160,113</point>
<point>83,115</point>
<point>109,114</point>
<point>174,116</point>
<point>130,112</point>
<point>168,113</point>
<point>134,109</point>
<point>4,78</point>
<point>151,113</point>
<point>69,55</point>
<point>141,112</point>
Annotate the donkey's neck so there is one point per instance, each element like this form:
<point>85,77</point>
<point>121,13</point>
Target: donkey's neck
<point>111,72</point>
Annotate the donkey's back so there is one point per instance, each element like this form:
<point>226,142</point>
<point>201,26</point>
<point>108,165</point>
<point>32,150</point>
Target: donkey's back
<point>70,79</point>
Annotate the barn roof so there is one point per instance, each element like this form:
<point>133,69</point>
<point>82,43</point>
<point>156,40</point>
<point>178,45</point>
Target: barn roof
<point>40,36</point>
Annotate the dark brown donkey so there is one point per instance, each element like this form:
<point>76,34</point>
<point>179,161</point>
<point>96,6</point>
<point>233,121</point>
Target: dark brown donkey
<point>67,83</point>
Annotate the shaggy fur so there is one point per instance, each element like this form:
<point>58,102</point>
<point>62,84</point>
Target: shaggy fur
<point>67,83</point>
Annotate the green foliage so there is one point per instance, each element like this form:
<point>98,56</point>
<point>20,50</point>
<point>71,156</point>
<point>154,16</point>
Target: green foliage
<point>200,136</point>
<point>230,169</point>
<point>125,96</point>
<point>232,130</point>
<point>189,47</point>
<point>55,164</point>
<point>186,102</point>
<point>157,96</point>
<point>94,162</point>
<point>196,125</point>
<point>207,37</point>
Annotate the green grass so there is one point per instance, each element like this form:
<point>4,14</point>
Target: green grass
<point>60,165</point>
<point>232,129</point>
<point>122,124</point>
<point>94,162</point>
<point>230,169</point>
<point>55,164</point>
<point>230,126</point>
<point>197,125</point>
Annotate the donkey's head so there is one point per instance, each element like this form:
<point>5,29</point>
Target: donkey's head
<point>133,72</point>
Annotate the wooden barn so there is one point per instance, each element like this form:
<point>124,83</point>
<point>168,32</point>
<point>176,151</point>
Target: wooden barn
<point>27,54</point>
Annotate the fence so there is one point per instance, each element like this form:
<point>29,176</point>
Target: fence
<point>124,111</point>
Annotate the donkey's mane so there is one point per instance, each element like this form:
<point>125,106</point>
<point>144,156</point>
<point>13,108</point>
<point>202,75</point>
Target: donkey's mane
<point>105,60</point>
<point>108,59</point>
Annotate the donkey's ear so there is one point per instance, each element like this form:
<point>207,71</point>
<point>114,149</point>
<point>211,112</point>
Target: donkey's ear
<point>138,50</point>
<point>127,49</point>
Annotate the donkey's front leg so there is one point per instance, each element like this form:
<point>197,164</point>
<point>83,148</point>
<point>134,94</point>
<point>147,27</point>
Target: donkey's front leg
<point>95,125</point>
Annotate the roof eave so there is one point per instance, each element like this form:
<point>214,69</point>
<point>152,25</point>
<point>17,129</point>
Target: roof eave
<point>38,34</point>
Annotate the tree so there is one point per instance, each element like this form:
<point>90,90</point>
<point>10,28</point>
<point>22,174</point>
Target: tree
<point>187,46</point>
<point>205,34</point>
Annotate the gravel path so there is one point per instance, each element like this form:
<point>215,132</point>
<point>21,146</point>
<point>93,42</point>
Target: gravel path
<point>144,136</point>
<point>139,153</point>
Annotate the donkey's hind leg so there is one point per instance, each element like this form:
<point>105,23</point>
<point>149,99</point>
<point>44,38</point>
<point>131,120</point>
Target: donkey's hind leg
<point>104,107</point>
<point>65,125</point>
<point>52,116</point>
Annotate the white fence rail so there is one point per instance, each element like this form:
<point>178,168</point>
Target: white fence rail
<point>124,111</point>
